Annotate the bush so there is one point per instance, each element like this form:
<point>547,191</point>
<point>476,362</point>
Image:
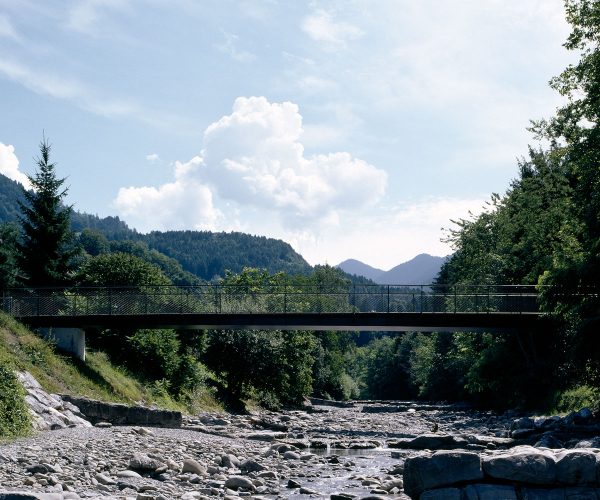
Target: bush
<point>574,399</point>
<point>14,414</point>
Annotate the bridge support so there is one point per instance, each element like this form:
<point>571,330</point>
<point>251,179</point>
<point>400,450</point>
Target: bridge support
<point>68,339</point>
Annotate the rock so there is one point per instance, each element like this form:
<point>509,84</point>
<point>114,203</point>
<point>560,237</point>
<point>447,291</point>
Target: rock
<point>490,492</point>
<point>442,494</point>
<point>576,467</point>
<point>548,440</point>
<point>128,473</point>
<point>443,468</point>
<point>251,465</point>
<point>104,479</point>
<point>291,455</point>
<point>266,436</point>
<point>143,463</point>
<point>229,461</point>
<point>543,494</point>
<point>527,466</point>
<point>429,442</point>
<point>293,484</point>
<point>522,423</point>
<point>236,482</point>
<point>191,465</point>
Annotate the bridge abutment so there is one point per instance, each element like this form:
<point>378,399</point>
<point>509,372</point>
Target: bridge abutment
<point>68,339</point>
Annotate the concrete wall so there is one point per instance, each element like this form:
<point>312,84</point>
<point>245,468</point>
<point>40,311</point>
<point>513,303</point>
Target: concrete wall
<point>68,339</point>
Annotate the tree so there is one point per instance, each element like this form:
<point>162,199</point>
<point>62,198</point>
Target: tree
<point>8,258</point>
<point>46,251</point>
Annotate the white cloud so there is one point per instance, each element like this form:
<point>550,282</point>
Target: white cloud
<point>152,157</point>
<point>321,27</point>
<point>176,205</point>
<point>253,158</point>
<point>9,165</point>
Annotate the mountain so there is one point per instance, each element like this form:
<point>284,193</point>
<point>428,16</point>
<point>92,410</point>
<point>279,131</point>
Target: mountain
<point>205,254</point>
<point>353,266</point>
<point>421,270</point>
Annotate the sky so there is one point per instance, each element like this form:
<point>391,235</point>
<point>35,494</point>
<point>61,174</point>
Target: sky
<point>348,128</point>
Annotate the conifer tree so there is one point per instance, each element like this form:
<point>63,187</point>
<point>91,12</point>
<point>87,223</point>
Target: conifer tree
<point>46,250</point>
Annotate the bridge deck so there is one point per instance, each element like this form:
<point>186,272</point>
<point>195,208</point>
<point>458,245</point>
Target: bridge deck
<point>283,307</point>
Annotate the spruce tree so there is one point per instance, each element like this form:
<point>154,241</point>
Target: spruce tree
<point>46,251</point>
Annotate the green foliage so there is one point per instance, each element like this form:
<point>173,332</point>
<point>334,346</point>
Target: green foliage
<point>47,251</point>
<point>14,414</point>
<point>274,363</point>
<point>93,242</point>
<point>8,258</point>
<point>155,353</point>
<point>120,269</point>
<point>576,398</point>
<point>209,255</point>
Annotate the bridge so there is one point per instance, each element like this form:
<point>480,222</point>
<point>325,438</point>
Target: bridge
<point>281,306</point>
<point>66,313</point>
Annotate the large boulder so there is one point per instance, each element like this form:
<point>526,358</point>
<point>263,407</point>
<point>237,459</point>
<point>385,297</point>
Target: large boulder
<point>443,468</point>
<point>576,467</point>
<point>525,465</point>
<point>490,492</point>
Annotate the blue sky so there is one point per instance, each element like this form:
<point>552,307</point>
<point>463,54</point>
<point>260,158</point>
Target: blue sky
<point>352,128</point>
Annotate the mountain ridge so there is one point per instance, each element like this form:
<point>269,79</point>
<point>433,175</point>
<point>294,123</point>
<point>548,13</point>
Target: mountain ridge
<point>420,270</point>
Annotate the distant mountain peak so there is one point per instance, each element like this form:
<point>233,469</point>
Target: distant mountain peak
<point>420,270</point>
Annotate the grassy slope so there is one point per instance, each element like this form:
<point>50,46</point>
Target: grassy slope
<point>97,378</point>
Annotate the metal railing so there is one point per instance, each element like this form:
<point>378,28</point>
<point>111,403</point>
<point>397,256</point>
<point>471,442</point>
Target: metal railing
<point>238,299</point>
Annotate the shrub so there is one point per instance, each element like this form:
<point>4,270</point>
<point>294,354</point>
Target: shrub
<point>578,397</point>
<point>14,414</point>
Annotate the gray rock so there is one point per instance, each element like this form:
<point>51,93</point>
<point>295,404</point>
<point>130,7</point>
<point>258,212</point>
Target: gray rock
<point>490,492</point>
<point>235,482</point>
<point>251,465</point>
<point>442,494</point>
<point>143,463</point>
<point>191,465</point>
<point>543,494</point>
<point>291,455</point>
<point>104,479</point>
<point>443,468</point>
<point>266,436</point>
<point>429,442</point>
<point>528,466</point>
<point>576,467</point>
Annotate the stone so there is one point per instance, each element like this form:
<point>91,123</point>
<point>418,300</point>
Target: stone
<point>490,492</point>
<point>236,482</point>
<point>429,442</point>
<point>576,467</point>
<point>548,440</point>
<point>529,466</point>
<point>291,455</point>
<point>441,494</point>
<point>104,479</point>
<point>266,436</point>
<point>293,484</point>
<point>251,465</point>
<point>191,465</point>
<point>543,494</point>
<point>143,463</point>
<point>443,468</point>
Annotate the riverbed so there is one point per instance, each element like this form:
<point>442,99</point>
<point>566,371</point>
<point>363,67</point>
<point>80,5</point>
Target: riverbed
<point>350,451</point>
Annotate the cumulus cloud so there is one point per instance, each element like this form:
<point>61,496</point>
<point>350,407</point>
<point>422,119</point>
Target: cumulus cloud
<point>9,165</point>
<point>321,27</point>
<point>182,204</point>
<point>152,157</point>
<point>253,157</point>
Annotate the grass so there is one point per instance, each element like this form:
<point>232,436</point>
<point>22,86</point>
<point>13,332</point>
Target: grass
<point>96,378</point>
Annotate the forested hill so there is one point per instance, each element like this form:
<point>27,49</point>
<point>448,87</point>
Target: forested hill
<point>203,253</point>
<point>208,254</point>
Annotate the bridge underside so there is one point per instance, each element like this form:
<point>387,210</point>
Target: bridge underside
<point>400,322</point>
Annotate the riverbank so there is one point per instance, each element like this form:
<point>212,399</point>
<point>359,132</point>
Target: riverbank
<point>322,451</point>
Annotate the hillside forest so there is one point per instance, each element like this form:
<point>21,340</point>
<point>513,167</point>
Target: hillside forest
<point>543,231</point>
